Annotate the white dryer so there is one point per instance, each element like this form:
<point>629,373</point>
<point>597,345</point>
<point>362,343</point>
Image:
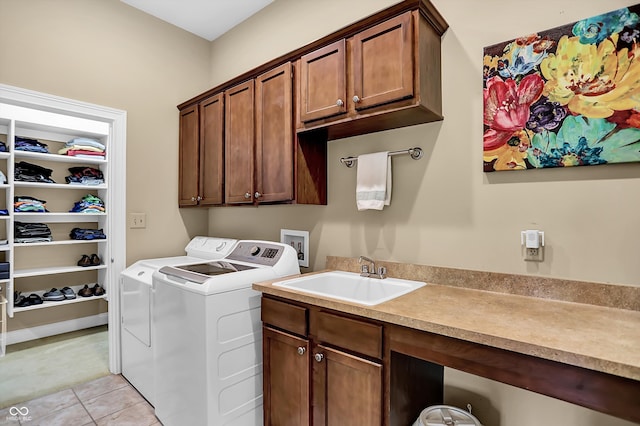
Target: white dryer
<point>208,348</point>
<point>137,309</point>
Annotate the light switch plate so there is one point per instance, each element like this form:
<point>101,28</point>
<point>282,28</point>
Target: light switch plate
<point>137,220</point>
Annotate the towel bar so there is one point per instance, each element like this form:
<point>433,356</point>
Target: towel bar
<point>415,153</point>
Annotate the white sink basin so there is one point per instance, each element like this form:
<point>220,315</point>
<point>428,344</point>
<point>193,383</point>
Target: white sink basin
<point>351,287</point>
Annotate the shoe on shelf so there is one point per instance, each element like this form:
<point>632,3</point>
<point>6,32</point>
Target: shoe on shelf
<point>98,290</point>
<point>33,299</point>
<point>17,298</point>
<point>84,261</point>
<point>53,295</point>
<point>85,291</point>
<point>95,260</point>
<point>68,293</point>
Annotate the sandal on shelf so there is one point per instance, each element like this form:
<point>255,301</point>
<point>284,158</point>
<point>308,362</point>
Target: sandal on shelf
<point>54,295</point>
<point>84,261</point>
<point>85,291</point>
<point>68,293</point>
<point>95,260</point>
<point>98,290</point>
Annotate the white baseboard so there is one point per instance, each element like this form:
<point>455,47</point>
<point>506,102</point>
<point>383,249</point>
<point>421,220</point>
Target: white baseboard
<point>38,332</point>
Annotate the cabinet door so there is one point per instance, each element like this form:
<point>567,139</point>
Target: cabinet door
<point>323,82</point>
<point>274,135</point>
<point>286,379</point>
<point>188,157</point>
<point>211,150</point>
<point>239,140</point>
<point>383,63</point>
<point>347,390</point>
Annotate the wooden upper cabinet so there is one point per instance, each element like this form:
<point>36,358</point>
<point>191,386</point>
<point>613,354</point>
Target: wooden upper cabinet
<point>188,157</point>
<point>239,143</point>
<point>211,151</point>
<point>323,82</point>
<point>274,135</point>
<point>382,63</point>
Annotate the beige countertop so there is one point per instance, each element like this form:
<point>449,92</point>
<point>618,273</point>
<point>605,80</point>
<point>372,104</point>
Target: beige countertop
<point>600,338</point>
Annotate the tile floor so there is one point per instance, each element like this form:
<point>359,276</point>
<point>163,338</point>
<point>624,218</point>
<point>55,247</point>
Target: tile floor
<point>109,400</point>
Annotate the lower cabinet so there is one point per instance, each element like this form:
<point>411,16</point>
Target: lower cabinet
<point>320,368</point>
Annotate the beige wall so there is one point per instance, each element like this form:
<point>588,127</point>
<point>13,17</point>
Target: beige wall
<point>445,211</point>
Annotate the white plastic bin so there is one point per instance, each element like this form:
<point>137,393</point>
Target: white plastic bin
<point>446,415</point>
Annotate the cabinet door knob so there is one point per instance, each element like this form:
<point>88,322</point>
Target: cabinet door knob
<point>301,350</point>
<point>257,194</point>
<point>356,99</point>
<point>198,198</point>
<point>319,357</point>
<point>193,198</point>
<point>247,195</point>
<point>339,102</point>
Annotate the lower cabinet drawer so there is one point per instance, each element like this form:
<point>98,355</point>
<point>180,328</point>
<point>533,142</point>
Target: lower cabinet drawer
<point>352,334</point>
<point>285,316</point>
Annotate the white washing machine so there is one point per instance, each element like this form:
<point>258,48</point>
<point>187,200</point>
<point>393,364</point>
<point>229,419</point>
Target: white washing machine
<point>208,348</point>
<point>137,335</point>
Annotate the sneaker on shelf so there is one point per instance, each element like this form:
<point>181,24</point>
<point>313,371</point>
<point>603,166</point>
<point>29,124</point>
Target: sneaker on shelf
<point>53,295</point>
<point>68,293</point>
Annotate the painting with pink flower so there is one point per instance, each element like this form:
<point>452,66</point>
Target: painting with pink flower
<point>568,96</point>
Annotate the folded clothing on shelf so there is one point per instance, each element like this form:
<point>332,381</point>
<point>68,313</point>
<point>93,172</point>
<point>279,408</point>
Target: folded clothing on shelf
<point>27,172</point>
<point>83,146</point>
<point>87,234</point>
<point>85,176</point>
<point>25,203</point>
<point>89,204</point>
<point>4,270</point>
<point>31,232</point>
<point>31,145</point>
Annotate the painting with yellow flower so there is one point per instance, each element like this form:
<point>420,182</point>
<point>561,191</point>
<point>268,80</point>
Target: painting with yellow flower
<point>569,96</point>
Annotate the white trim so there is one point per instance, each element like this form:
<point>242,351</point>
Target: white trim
<point>116,196</point>
<point>38,332</point>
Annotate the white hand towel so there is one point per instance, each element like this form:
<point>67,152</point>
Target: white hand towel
<point>373,181</point>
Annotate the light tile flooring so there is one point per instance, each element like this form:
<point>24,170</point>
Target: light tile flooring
<point>109,400</point>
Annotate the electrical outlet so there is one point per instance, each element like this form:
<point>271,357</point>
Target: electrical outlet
<point>534,254</point>
<point>137,220</point>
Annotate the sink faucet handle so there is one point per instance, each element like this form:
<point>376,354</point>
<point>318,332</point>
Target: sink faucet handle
<point>364,270</point>
<point>382,272</point>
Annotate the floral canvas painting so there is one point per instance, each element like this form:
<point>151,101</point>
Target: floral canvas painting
<point>569,96</point>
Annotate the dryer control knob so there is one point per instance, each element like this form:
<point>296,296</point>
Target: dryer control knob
<point>254,250</point>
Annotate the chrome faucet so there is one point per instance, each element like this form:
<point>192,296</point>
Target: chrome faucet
<point>370,270</point>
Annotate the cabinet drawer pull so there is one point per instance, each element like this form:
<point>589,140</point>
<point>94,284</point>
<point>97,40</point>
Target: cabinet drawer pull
<point>356,99</point>
<point>319,357</point>
<point>247,195</point>
<point>257,194</point>
<point>339,102</point>
<point>301,350</point>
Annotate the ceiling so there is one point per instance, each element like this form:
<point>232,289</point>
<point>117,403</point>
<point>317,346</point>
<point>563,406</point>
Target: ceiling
<point>208,19</point>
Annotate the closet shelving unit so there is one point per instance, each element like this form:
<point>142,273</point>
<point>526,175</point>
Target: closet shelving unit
<point>38,267</point>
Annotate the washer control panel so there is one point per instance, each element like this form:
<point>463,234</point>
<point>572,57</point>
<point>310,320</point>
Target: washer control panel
<point>260,252</point>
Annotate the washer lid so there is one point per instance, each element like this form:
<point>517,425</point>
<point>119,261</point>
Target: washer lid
<point>447,415</point>
<point>200,273</point>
